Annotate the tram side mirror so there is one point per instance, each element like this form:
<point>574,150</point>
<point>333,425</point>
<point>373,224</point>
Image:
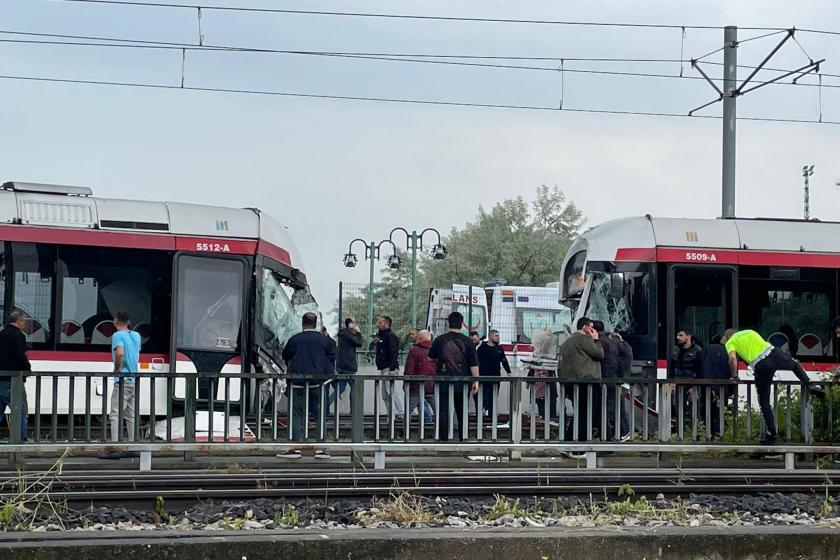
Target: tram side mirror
<point>617,285</point>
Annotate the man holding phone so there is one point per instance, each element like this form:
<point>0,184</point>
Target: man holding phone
<point>349,340</point>
<point>580,358</point>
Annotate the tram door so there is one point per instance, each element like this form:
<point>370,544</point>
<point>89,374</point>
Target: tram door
<point>702,299</point>
<point>209,298</point>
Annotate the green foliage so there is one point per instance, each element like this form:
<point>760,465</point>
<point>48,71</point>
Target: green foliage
<point>520,241</point>
<point>625,490</point>
<point>824,430</point>
<point>7,514</point>
<point>289,515</point>
<point>826,507</point>
<point>505,506</point>
<point>640,507</point>
<point>160,507</point>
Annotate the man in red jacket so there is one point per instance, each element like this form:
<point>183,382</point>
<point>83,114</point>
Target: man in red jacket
<point>418,363</point>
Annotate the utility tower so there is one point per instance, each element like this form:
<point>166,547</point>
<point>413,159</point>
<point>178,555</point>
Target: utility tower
<point>729,95</point>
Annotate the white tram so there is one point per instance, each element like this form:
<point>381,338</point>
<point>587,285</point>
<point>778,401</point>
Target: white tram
<point>209,289</point>
<point>646,277</point>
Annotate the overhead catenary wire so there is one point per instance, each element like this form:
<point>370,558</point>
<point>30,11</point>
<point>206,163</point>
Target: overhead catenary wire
<point>405,58</point>
<point>441,18</point>
<point>141,3</point>
<point>140,43</point>
<point>399,100</point>
<point>117,42</point>
<point>229,8</point>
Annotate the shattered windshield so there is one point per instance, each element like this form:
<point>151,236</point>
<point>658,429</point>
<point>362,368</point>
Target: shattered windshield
<point>281,310</point>
<point>304,302</point>
<point>623,310</point>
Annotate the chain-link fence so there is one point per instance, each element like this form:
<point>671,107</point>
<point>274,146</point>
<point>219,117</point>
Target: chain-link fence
<point>354,300</point>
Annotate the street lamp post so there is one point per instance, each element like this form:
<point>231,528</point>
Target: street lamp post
<point>807,171</point>
<point>371,254</point>
<point>414,241</point>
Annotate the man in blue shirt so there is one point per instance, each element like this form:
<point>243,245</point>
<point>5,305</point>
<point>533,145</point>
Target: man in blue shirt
<point>125,350</point>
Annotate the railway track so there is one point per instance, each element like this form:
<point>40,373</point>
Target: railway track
<point>141,489</point>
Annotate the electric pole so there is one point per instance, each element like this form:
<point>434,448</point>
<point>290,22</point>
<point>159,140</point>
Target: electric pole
<point>730,84</point>
<point>807,171</point>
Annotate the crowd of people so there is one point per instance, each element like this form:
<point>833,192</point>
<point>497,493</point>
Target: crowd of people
<point>587,355</point>
<point>451,354</point>
<point>125,354</point>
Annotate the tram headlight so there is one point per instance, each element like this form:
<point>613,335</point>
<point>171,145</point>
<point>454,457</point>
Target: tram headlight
<point>350,260</point>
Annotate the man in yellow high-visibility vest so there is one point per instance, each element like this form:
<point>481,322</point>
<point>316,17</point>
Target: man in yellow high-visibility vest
<point>764,359</point>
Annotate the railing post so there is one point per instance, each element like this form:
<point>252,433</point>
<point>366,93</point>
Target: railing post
<point>806,416</point>
<point>190,408</point>
<point>15,420</point>
<point>516,414</point>
<point>665,393</point>
<point>357,417</point>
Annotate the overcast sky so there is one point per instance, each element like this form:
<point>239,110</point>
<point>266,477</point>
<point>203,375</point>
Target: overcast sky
<point>334,170</point>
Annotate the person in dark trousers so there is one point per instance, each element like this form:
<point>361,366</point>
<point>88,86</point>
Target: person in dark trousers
<point>716,366</point>
<point>346,362</point>
<point>612,367</point>
<point>491,360</point>
<point>13,358</point>
<point>765,360</point>
<point>580,358</point>
<point>307,353</point>
<point>387,362</point>
<point>418,363</point>
<point>455,356</point>
<point>686,363</point>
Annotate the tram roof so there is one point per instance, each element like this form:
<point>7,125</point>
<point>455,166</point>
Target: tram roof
<point>38,209</point>
<point>620,239</point>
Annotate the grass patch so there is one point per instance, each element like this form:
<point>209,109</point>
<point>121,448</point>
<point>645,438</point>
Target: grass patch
<point>504,506</point>
<point>289,515</point>
<point>403,508</point>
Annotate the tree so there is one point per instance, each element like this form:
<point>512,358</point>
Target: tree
<point>522,242</point>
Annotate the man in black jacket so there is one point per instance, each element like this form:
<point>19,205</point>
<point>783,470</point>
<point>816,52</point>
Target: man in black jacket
<point>387,362</point>
<point>613,366</point>
<point>491,360</point>
<point>346,362</point>
<point>13,358</point>
<point>687,362</point>
<point>455,356</point>
<point>308,353</point>
<point>687,358</point>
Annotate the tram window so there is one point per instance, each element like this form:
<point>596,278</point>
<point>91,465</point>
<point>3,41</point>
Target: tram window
<point>210,303</point>
<point>574,279</point>
<point>33,267</point>
<point>792,315</point>
<point>96,282</point>
<point>703,301</point>
<point>2,285</point>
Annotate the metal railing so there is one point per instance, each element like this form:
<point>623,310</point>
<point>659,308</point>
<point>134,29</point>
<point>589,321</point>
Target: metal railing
<point>277,412</point>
